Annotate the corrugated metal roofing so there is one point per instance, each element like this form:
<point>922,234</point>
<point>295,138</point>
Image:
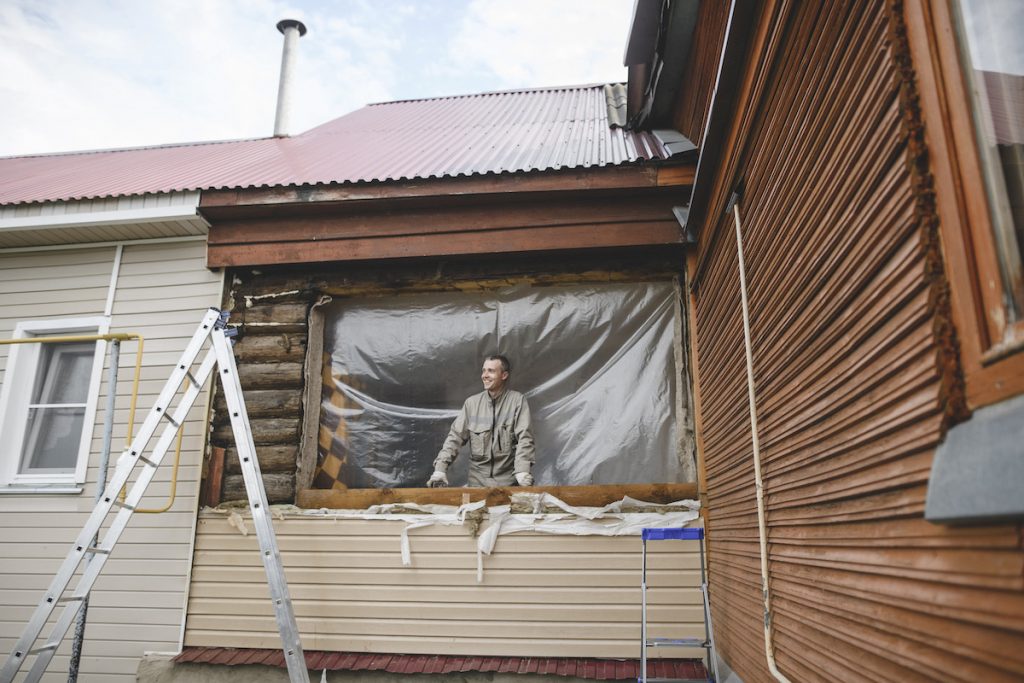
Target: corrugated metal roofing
<point>593,669</point>
<point>502,132</point>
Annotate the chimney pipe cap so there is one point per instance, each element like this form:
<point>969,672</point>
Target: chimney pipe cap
<point>289,23</point>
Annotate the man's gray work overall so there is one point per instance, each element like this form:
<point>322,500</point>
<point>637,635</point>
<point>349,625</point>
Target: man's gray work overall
<point>500,439</point>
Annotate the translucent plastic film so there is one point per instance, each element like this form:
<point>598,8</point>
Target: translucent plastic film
<point>595,361</point>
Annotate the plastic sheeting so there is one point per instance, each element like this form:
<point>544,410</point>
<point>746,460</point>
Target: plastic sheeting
<point>596,362</point>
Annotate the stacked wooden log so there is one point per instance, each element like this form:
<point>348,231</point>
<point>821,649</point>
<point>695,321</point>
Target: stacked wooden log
<point>271,315</point>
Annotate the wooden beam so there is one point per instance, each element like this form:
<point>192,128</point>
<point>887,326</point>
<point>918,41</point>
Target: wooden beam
<point>521,240</point>
<point>676,175</point>
<point>597,495</point>
<point>618,177</point>
<point>448,219</point>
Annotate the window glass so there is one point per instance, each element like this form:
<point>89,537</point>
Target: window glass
<point>595,361</point>
<point>57,410</point>
<point>990,33</point>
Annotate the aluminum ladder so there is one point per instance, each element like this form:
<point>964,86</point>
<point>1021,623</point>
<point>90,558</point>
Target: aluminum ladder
<point>708,641</point>
<point>219,355</point>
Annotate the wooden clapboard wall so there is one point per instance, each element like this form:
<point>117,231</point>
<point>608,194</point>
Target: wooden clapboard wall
<point>854,382</point>
<point>694,98</point>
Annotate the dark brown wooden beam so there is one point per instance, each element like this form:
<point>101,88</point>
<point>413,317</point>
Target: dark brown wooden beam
<point>598,495</point>
<point>518,240</point>
<point>610,178</point>
<point>449,219</point>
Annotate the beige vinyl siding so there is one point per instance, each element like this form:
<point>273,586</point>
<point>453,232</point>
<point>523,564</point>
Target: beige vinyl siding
<point>162,291</point>
<point>541,595</point>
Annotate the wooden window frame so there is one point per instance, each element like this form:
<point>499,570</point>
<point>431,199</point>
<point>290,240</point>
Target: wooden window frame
<point>991,346</point>
<point>578,495</point>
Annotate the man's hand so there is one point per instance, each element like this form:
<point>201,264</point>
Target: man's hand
<point>524,478</point>
<point>437,479</point>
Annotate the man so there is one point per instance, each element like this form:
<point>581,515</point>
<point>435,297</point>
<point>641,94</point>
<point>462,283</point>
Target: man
<point>496,422</point>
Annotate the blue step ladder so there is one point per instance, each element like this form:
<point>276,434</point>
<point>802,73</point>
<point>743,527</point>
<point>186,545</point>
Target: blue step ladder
<point>708,641</point>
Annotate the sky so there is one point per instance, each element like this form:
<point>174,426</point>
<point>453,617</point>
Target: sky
<point>100,74</point>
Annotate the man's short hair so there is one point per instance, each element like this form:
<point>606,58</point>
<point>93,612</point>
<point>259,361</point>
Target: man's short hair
<point>505,364</point>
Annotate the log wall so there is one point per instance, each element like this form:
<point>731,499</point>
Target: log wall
<point>854,381</point>
<point>271,308</point>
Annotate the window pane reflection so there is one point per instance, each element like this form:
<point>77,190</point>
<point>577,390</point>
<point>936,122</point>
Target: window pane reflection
<point>993,56</point>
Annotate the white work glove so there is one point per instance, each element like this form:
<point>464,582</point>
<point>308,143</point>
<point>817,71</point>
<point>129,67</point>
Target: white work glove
<point>437,479</point>
<point>524,478</point>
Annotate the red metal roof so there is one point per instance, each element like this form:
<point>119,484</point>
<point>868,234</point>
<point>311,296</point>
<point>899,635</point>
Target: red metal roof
<point>593,669</point>
<point>503,132</point>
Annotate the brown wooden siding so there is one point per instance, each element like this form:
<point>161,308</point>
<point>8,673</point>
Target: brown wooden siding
<point>850,387</point>
<point>694,99</point>
<point>366,231</point>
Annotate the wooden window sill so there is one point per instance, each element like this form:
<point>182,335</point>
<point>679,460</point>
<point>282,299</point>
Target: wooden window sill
<point>595,495</point>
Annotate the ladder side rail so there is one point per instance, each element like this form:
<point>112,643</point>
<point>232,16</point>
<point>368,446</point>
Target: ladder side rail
<point>92,525</point>
<point>708,627</point>
<point>117,527</point>
<point>271,555</point>
<point>643,612</point>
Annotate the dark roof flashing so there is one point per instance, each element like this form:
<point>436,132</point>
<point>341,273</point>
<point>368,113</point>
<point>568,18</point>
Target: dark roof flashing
<point>665,52</point>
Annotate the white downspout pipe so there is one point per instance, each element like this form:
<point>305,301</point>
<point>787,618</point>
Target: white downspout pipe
<point>769,648</point>
<point>292,29</point>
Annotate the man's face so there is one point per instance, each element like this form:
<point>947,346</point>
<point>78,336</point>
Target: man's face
<point>493,376</point>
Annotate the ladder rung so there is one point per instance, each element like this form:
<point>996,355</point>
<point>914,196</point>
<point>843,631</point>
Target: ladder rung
<point>121,504</point>
<point>98,551</point>
<point>676,642</point>
<point>171,420</point>
<point>191,378</point>
<point>148,461</point>
<point>70,598</point>
<point>44,648</point>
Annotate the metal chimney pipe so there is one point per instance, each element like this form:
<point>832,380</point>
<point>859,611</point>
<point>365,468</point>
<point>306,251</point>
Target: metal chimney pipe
<point>293,29</point>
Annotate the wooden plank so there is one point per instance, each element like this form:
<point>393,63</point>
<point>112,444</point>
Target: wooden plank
<point>676,175</point>
<point>262,403</point>
<point>267,431</point>
<point>270,376</point>
<point>597,495</point>
<point>523,240</point>
<point>573,180</point>
<point>372,221</point>
<point>275,458</point>
<point>280,486</point>
<point>518,240</point>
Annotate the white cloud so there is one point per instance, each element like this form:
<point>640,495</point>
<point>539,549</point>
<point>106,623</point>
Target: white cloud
<point>540,43</point>
<point>93,74</point>
<point>115,74</point>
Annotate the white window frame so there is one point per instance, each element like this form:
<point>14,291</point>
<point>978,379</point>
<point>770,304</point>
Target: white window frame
<point>16,394</point>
